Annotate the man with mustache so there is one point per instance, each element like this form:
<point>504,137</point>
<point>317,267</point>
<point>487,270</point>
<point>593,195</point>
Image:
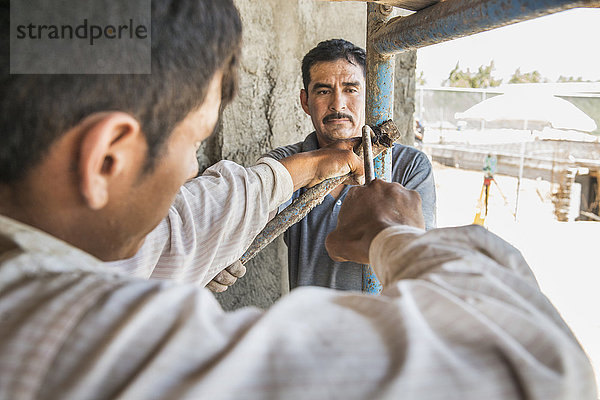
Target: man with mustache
<point>334,96</point>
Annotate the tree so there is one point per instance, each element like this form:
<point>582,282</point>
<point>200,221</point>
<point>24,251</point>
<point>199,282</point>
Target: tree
<point>481,79</point>
<point>527,77</point>
<point>564,79</point>
<point>458,78</point>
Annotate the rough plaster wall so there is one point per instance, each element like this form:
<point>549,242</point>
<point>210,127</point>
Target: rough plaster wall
<point>267,112</point>
<point>404,95</point>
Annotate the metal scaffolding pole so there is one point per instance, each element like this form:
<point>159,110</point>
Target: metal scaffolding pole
<point>453,19</point>
<point>379,106</point>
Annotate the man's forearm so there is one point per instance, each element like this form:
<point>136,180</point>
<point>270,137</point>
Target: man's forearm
<point>313,167</point>
<point>475,297</point>
<point>407,252</point>
<point>301,168</point>
<point>212,221</point>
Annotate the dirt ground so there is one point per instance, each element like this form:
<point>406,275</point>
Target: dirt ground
<point>564,256</point>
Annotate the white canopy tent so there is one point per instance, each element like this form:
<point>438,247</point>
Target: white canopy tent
<point>530,107</point>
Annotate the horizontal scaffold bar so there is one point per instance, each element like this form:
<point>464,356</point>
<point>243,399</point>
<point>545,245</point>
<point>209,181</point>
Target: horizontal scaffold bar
<point>452,19</point>
<point>413,5</point>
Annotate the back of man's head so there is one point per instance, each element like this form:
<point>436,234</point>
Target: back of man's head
<point>332,50</point>
<point>191,40</point>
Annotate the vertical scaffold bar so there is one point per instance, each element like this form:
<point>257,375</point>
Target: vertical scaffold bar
<point>379,106</point>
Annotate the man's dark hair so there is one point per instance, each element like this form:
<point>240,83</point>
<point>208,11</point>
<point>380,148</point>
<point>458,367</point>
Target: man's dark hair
<point>191,40</point>
<point>332,50</point>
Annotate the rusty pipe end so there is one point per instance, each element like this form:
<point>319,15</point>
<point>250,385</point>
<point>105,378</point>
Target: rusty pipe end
<point>367,135</point>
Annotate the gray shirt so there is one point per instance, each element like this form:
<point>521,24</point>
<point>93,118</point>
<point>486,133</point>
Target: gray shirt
<point>308,261</point>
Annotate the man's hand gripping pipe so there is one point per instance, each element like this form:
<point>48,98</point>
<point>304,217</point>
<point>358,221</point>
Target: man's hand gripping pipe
<point>384,137</point>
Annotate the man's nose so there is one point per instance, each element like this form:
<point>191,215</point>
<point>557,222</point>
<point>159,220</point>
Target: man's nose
<point>338,103</point>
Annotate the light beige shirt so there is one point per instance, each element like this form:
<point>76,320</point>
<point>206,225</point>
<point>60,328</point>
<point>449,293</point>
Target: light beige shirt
<point>465,320</point>
<point>210,224</point>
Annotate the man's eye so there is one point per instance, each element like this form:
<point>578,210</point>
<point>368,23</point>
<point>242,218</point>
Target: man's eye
<point>324,91</point>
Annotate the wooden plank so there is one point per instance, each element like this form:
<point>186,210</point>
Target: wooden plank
<point>413,5</point>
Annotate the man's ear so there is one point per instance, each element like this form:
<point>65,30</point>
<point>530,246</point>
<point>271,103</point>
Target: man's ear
<point>111,143</point>
<point>304,100</point>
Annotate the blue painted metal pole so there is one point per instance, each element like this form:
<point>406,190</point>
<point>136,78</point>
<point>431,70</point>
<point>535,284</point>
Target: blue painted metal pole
<point>379,107</point>
<point>449,20</point>
<point>380,84</point>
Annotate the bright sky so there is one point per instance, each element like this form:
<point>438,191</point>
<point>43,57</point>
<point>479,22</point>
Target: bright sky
<point>566,43</point>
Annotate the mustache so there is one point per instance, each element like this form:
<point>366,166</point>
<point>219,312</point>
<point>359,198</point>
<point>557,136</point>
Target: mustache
<point>337,115</point>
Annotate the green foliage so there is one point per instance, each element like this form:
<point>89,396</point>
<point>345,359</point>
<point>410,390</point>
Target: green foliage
<point>527,77</point>
<point>564,79</point>
<point>421,81</point>
<point>481,79</point>
<point>458,78</point>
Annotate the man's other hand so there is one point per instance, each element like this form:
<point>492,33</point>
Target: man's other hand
<point>337,159</point>
<point>227,277</point>
<point>367,210</point>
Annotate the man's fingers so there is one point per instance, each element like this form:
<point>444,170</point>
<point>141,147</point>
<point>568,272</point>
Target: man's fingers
<point>333,247</point>
<point>225,278</point>
<point>336,162</point>
<point>216,287</point>
<point>358,168</point>
<point>366,211</point>
<point>341,249</point>
<point>355,180</point>
<point>346,144</point>
<point>237,269</point>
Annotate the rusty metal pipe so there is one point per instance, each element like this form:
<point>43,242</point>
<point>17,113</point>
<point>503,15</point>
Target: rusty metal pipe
<point>380,84</point>
<point>379,105</point>
<point>453,19</point>
<point>290,215</point>
<point>413,5</point>
<point>367,135</point>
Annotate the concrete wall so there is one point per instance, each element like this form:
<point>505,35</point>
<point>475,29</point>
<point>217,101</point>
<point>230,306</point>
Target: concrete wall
<point>267,112</point>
